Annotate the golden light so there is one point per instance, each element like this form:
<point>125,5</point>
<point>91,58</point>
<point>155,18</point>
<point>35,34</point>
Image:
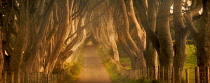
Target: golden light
<point>201,11</point>
<point>5,52</point>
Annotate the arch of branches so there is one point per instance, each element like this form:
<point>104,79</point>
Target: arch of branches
<point>42,34</point>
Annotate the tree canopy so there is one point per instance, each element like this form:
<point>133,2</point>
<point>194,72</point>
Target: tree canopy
<point>39,35</point>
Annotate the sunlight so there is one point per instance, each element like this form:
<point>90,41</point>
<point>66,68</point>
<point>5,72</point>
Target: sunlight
<point>109,41</point>
<point>171,9</point>
<point>18,4</point>
<point>189,3</point>
<point>15,17</point>
<point>201,11</point>
<point>5,52</point>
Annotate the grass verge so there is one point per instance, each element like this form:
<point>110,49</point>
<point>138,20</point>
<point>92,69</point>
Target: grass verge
<point>75,69</point>
<point>191,63</point>
<point>114,74</point>
<point>191,60</point>
<point>73,76</point>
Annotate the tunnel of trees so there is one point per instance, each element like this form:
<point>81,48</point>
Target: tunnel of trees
<point>39,35</point>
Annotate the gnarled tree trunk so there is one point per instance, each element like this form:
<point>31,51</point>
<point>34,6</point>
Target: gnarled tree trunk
<point>203,42</point>
<point>135,53</point>
<point>51,60</point>
<point>164,35</point>
<point>180,40</point>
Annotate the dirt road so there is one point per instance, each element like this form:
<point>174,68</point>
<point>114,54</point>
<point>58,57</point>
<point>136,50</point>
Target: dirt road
<point>93,70</point>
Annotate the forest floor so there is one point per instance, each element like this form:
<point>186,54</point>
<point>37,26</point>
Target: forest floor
<point>93,68</point>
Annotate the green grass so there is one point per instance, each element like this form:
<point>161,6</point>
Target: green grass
<point>75,69</point>
<point>125,62</point>
<point>73,77</point>
<point>113,73</point>
<point>191,62</point>
<point>117,78</point>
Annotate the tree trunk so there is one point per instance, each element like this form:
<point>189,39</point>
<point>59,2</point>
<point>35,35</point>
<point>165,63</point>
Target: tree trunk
<point>112,37</point>
<point>17,54</point>
<point>180,40</point>
<point>180,54</point>
<point>137,56</point>
<point>66,54</point>
<point>114,47</point>
<point>164,35</point>
<point>140,32</point>
<point>39,36</point>
<point>150,53</point>
<point>1,57</point>
<point>51,60</point>
<point>203,42</point>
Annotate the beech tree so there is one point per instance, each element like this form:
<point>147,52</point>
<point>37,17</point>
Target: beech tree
<point>181,33</point>
<point>41,30</point>
<point>38,36</point>
<point>202,41</point>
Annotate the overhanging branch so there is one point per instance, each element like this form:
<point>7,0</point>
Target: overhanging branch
<point>83,27</point>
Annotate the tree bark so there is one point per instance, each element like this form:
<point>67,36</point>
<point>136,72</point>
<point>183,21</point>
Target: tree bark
<point>150,53</point>
<point>146,25</point>
<point>180,40</point>
<point>113,42</point>
<point>38,39</point>
<point>137,58</point>
<point>203,42</point>
<point>164,35</point>
<point>17,54</point>
<point>51,60</point>
<point>1,57</point>
<point>151,56</point>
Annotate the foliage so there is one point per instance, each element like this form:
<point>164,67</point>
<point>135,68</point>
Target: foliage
<point>125,62</point>
<point>191,60</point>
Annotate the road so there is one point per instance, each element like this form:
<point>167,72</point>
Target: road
<point>93,68</point>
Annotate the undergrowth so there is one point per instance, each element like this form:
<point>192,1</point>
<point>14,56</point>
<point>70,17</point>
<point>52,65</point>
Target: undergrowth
<point>73,76</point>
<point>113,73</point>
<point>75,69</point>
<point>191,63</point>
